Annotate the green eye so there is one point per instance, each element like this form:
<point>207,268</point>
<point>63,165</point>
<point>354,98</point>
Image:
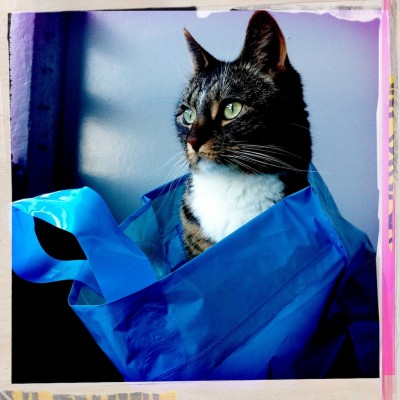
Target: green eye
<point>232,110</point>
<point>189,116</point>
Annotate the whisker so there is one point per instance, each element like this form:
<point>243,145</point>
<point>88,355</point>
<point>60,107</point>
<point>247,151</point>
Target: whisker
<point>300,126</point>
<point>248,167</point>
<point>239,162</point>
<point>239,146</point>
<point>269,148</point>
<point>171,159</point>
<point>177,172</point>
<point>266,161</point>
<point>178,169</point>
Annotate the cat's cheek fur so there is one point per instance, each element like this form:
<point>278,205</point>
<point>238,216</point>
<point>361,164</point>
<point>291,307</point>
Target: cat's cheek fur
<point>224,201</point>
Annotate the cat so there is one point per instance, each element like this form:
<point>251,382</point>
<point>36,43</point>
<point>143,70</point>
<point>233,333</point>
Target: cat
<point>245,133</point>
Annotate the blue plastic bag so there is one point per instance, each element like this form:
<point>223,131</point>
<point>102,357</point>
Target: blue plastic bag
<point>292,294</point>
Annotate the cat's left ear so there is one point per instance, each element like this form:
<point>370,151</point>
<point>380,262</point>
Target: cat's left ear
<point>265,44</point>
<point>201,58</point>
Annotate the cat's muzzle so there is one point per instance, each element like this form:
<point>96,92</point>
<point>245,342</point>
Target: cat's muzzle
<point>204,153</point>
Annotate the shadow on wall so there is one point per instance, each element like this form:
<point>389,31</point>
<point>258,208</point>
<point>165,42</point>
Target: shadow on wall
<point>46,79</point>
<point>46,75</point>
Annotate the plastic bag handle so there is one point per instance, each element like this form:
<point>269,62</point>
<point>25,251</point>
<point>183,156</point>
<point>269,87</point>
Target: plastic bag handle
<point>115,265</point>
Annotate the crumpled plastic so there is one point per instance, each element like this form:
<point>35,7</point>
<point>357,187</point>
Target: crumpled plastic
<point>292,294</point>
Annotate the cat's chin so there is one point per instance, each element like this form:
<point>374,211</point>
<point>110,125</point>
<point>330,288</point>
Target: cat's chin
<point>205,166</point>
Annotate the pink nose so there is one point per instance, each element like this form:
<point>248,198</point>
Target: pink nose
<point>194,142</point>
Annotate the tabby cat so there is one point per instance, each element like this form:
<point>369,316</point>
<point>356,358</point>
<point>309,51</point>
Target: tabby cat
<point>245,132</point>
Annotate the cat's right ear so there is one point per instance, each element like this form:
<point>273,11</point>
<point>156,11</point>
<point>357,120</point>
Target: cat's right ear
<point>201,58</point>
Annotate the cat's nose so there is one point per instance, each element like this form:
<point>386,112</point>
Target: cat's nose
<point>197,139</point>
<point>194,141</point>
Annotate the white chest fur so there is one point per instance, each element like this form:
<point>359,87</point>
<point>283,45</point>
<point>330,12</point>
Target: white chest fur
<point>224,200</point>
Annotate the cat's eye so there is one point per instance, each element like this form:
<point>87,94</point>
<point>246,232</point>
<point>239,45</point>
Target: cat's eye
<point>232,110</point>
<point>189,116</point>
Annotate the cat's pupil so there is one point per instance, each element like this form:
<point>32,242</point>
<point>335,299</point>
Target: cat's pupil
<point>189,116</point>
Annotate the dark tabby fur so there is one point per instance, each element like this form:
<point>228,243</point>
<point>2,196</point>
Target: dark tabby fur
<point>273,116</point>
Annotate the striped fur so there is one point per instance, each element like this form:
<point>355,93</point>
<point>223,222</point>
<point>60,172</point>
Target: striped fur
<point>195,240</point>
<point>254,156</point>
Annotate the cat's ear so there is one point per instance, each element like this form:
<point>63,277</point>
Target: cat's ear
<point>201,58</point>
<point>265,44</point>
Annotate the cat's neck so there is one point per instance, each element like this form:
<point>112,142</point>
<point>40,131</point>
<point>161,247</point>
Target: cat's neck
<point>223,199</point>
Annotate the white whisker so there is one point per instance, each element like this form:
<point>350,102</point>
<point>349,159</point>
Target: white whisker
<point>172,159</point>
<point>177,171</point>
<point>300,126</point>
<point>267,161</point>
<point>269,148</point>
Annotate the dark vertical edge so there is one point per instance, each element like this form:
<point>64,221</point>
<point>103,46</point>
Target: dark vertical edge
<point>46,102</point>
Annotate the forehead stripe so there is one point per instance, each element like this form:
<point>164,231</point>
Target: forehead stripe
<point>201,98</point>
<point>206,90</point>
<point>193,94</point>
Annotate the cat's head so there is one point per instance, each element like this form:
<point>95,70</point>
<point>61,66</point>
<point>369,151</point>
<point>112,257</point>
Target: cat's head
<point>247,114</point>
